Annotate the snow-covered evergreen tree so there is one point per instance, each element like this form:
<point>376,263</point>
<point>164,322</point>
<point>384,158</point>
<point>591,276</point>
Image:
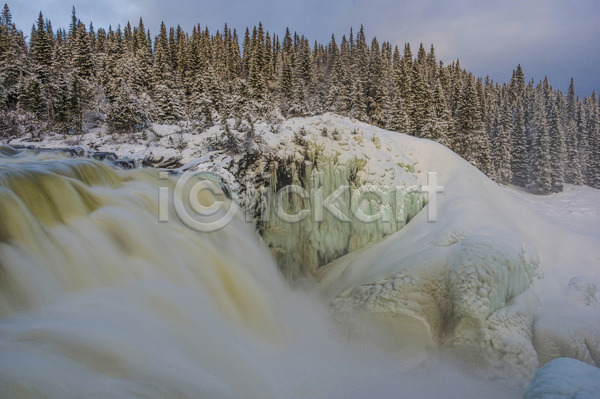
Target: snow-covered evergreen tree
<point>471,140</point>
<point>573,173</point>
<point>519,156</point>
<point>377,91</point>
<point>167,105</point>
<point>557,149</point>
<point>541,161</point>
<point>420,98</point>
<point>126,79</point>
<point>439,125</point>
<point>126,113</point>
<point>13,60</point>
<point>593,142</point>
<point>502,149</point>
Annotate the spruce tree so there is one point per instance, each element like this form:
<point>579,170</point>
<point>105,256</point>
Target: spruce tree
<point>420,102</point>
<point>557,149</point>
<point>508,131</point>
<point>573,173</point>
<point>256,74</point>
<point>502,149</point>
<point>593,141</point>
<point>377,94</point>
<point>472,142</point>
<point>167,104</point>
<point>13,60</point>
<point>38,87</point>
<point>517,85</point>
<point>126,113</point>
<point>439,121</point>
<point>519,158</point>
<point>82,53</point>
<point>541,161</point>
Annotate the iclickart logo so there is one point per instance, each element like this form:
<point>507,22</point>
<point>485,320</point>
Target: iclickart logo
<point>204,204</point>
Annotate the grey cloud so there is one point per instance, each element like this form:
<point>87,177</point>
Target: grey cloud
<point>548,37</point>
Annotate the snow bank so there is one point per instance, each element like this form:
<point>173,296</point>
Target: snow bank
<point>483,282</point>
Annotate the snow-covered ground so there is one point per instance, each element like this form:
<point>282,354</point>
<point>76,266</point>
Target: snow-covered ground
<point>577,208</point>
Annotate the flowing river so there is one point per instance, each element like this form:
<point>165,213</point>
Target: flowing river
<point>106,293</point>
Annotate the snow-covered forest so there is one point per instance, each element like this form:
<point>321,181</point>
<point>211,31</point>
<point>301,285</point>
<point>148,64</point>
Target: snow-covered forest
<point>518,132</point>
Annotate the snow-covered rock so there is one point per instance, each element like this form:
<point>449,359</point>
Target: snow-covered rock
<point>565,379</point>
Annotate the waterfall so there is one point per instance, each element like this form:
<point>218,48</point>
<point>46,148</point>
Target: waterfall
<point>105,292</point>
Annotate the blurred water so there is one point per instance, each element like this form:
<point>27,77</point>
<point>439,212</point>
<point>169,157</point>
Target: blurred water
<point>99,299</point>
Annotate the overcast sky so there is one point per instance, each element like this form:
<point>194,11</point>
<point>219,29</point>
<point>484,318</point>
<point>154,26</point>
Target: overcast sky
<point>547,37</point>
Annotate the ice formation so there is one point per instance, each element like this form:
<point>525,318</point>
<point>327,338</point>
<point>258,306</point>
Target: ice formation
<point>565,378</point>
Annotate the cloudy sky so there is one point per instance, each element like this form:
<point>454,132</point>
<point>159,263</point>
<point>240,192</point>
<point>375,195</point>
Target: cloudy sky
<point>557,38</point>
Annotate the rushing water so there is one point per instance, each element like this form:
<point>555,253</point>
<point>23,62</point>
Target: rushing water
<point>100,299</point>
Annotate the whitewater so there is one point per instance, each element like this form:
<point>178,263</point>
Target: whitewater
<point>100,298</point>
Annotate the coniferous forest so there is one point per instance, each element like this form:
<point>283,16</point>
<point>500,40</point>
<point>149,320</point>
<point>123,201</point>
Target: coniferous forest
<point>69,81</point>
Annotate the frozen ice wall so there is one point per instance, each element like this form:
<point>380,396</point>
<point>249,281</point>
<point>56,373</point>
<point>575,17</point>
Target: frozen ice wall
<point>324,210</point>
<point>321,187</point>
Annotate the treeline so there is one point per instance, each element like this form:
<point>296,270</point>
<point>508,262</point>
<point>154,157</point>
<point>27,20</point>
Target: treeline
<point>69,81</point>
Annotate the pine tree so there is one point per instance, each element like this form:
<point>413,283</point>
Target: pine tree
<point>420,98</point>
<point>82,53</point>
<point>541,161</point>
<point>519,159</point>
<point>167,105</point>
<point>339,91</point>
<point>13,61</point>
<point>377,94</point>
<point>582,140</point>
<point>359,70</point>
<point>557,149</point>
<point>38,90</point>
<point>573,173</point>
<point>126,113</point>
<point>517,85</point>
<point>593,142</point>
<point>502,153</point>
<point>75,105</point>
<point>400,120</point>
<point>60,85</point>
<point>472,142</point>
<point>302,79</point>
<point>256,73</point>
<point>457,82</point>
<point>439,125</point>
